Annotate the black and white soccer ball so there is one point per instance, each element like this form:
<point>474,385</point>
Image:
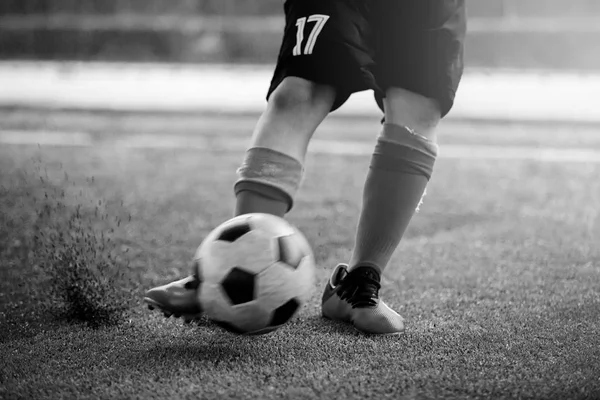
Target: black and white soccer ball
<point>257,271</point>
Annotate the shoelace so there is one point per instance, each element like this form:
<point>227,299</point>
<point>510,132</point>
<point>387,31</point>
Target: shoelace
<point>361,287</point>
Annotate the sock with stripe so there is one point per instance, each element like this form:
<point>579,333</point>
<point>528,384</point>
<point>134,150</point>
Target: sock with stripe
<point>268,181</point>
<point>401,166</point>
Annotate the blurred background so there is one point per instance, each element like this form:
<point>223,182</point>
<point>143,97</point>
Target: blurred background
<point>534,60</point>
<point>538,34</point>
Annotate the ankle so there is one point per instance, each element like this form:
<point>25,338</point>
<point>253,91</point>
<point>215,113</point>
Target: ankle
<point>366,264</point>
<point>369,269</point>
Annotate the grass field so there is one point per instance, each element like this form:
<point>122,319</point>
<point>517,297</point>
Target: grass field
<point>498,276</point>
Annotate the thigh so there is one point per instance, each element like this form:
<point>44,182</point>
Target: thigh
<point>420,46</point>
<point>328,42</point>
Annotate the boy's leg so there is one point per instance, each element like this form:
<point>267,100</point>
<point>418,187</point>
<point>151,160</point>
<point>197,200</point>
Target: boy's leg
<point>419,65</point>
<point>401,166</point>
<point>400,169</point>
<point>269,176</point>
<point>416,95</point>
<point>324,57</point>
<point>272,169</point>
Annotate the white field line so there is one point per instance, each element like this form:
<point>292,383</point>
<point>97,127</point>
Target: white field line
<point>318,146</point>
<point>499,94</point>
<point>45,138</point>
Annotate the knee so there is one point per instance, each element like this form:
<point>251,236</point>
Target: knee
<point>414,111</point>
<point>294,94</point>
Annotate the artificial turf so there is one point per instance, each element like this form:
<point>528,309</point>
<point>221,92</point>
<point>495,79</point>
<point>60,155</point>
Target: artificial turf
<point>498,277</point>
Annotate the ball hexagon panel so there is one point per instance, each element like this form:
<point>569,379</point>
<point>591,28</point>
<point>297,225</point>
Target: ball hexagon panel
<point>244,318</point>
<point>208,260</point>
<point>290,251</point>
<point>279,283</point>
<point>275,286</point>
<point>253,252</point>
<point>239,286</point>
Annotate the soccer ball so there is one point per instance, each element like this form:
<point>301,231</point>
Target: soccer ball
<point>256,270</point>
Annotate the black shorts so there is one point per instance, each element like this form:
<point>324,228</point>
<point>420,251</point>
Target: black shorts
<point>357,45</point>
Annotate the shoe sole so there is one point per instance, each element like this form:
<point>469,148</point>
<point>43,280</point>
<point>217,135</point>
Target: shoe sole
<point>363,332</point>
<point>153,304</point>
<point>378,334</point>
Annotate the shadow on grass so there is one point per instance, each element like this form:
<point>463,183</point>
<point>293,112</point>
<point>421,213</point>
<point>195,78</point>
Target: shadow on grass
<point>203,343</point>
<point>193,347</point>
<point>319,324</point>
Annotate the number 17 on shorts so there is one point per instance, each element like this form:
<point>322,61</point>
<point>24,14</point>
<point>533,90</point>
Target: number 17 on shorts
<point>318,21</point>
